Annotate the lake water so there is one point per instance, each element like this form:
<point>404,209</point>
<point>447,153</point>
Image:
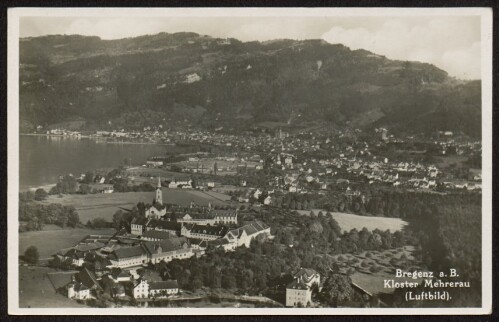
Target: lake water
<point>42,158</point>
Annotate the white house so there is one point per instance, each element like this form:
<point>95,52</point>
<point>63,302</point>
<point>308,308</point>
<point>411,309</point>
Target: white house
<point>141,289</point>
<point>299,292</point>
<point>78,291</point>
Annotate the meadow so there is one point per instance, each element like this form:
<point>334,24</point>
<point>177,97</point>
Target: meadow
<point>49,241</point>
<point>348,222</point>
<point>37,291</point>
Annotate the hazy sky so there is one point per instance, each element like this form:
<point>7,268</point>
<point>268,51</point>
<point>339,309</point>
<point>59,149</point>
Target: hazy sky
<point>451,42</point>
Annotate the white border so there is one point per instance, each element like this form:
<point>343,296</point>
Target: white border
<point>14,15</point>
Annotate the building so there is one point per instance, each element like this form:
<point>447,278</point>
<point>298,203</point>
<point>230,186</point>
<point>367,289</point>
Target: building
<point>156,235</point>
<point>140,289</point>
<point>159,193</point>
<point>82,285</point>
<point>167,250</point>
<point>155,211</point>
<point>244,235</point>
<point>144,289</point>
<point>204,232</point>
<point>163,289</point>
<point>299,292</point>
<point>78,291</point>
<point>213,217</point>
<point>154,163</point>
<point>128,256</point>
<point>76,255</point>
<point>180,184</point>
<point>138,225</point>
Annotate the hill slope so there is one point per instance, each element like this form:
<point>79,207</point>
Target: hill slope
<point>141,81</point>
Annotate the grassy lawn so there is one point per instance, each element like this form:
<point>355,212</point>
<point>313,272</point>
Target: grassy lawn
<point>49,242</point>
<point>348,222</point>
<point>36,290</point>
<point>105,205</point>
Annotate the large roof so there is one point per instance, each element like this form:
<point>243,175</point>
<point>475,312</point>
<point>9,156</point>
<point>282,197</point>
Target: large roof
<point>163,285</point>
<point>167,245</point>
<point>166,225</point>
<point>306,273</point>
<point>224,212</point>
<point>296,285</point>
<point>210,230</point>
<point>159,234</point>
<point>88,279</point>
<point>126,252</point>
<point>254,227</point>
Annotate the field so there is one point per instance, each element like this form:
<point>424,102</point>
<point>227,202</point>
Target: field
<point>36,289</point>
<point>105,205</point>
<point>348,222</point>
<point>49,241</point>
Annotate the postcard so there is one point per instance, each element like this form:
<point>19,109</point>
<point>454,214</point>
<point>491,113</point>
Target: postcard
<point>249,161</point>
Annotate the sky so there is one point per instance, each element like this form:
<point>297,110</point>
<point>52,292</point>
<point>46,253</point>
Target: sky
<point>452,43</point>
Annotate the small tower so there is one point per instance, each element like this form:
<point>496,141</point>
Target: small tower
<point>159,193</point>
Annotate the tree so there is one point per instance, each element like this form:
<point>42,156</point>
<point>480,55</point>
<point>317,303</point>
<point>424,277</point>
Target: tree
<point>73,217</point>
<point>31,255</point>
<point>89,178</point>
<point>85,189</point>
<point>40,194</point>
<point>337,288</point>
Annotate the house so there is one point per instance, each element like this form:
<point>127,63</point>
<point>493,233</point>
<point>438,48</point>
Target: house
<point>299,292</point>
<point>157,235</point>
<point>204,232</point>
<point>156,211</point>
<point>225,243</point>
<point>82,285</point>
<point>245,234</point>
<point>267,201</point>
<point>140,289</point>
<point>163,288</point>
<point>167,250</point>
<point>76,255</point>
<point>119,275</point>
<point>225,216</point>
<point>128,256</point>
<point>174,184</point>
<point>257,193</point>
<point>154,163</point>
<point>108,190</point>
<point>138,225</point>
<point>167,226</point>
<point>77,290</point>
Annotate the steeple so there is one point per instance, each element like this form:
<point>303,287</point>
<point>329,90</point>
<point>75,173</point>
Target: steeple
<point>159,193</point>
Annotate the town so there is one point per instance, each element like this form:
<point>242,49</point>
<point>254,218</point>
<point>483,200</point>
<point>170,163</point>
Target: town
<point>271,182</point>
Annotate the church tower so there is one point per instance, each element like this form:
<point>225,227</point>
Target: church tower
<point>159,193</point>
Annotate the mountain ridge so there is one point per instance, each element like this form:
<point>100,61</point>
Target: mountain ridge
<point>136,81</point>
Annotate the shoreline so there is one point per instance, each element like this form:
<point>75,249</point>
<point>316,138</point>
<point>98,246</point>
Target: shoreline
<point>95,138</point>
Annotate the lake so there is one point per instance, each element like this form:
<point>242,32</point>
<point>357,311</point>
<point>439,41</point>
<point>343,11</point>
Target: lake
<point>42,159</point>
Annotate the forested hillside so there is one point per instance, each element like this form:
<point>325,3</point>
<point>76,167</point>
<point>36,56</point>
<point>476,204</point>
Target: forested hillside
<point>163,78</point>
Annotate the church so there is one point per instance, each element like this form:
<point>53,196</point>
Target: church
<point>157,210</point>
